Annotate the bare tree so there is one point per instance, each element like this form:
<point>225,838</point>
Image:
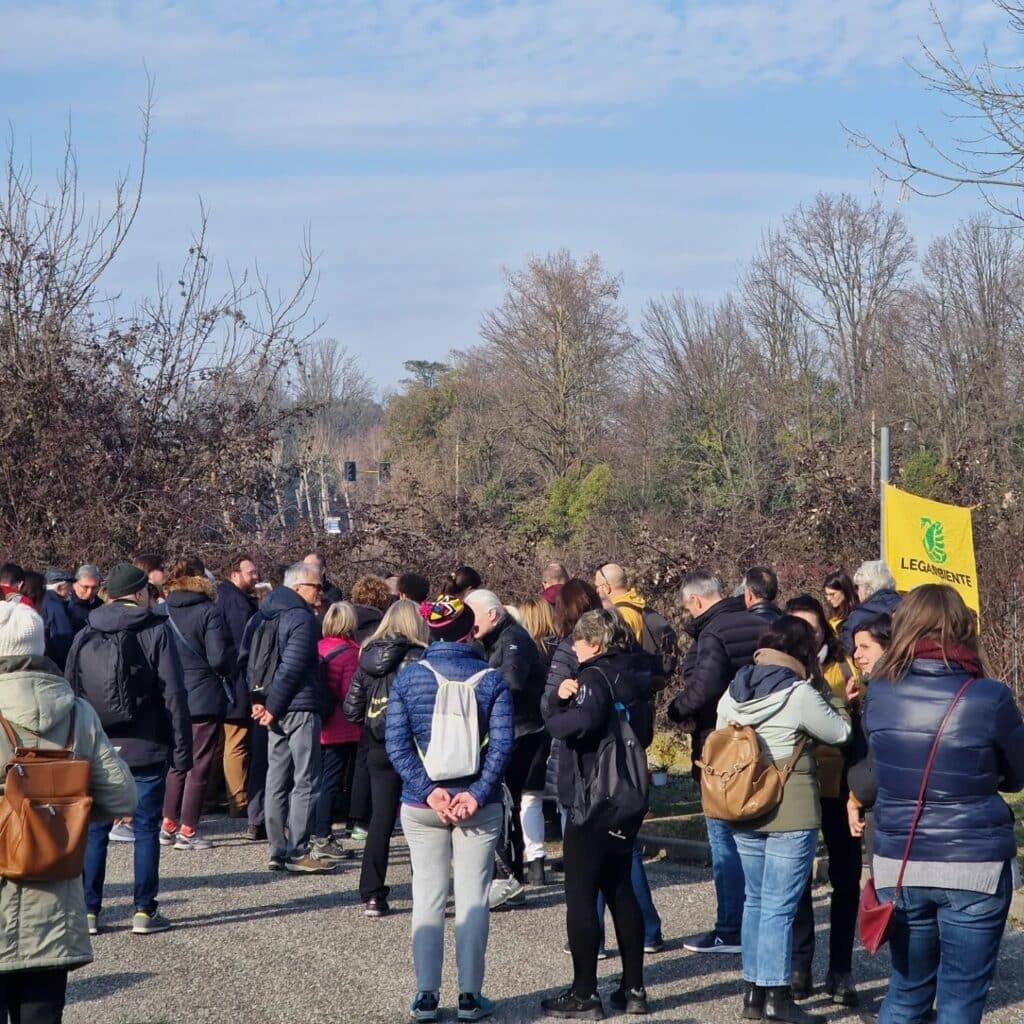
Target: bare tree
<point>556,343</point>
<point>987,152</point>
<point>848,262</point>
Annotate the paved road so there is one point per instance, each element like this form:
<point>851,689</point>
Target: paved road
<point>259,948</point>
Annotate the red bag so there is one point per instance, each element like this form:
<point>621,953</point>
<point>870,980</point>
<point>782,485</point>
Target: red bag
<point>874,918</point>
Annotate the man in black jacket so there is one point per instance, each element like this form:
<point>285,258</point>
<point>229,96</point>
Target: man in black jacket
<point>511,650</point>
<point>159,732</point>
<point>292,714</point>
<point>725,636</point>
<point>238,605</point>
<point>760,588</point>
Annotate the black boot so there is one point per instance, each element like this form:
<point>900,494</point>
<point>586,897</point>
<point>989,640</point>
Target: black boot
<point>801,986</point>
<point>753,1001</point>
<point>779,1006</point>
<point>535,872</point>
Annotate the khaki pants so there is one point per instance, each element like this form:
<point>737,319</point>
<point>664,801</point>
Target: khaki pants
<point>236,765</point>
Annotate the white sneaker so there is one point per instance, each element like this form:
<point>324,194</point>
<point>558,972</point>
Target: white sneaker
<point>121,833</point>
<point>506,893</point>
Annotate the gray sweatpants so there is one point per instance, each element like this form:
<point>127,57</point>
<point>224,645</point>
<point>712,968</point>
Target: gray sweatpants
<point>469,850</point>
<point>293,782</point>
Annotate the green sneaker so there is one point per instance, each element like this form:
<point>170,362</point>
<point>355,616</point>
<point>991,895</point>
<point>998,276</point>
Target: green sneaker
<point>359,834</point>
<point>93,921</point>
<point>149,924</point>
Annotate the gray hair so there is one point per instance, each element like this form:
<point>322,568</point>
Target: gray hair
<point>300,572</point>
<point>88,571</point>
<point>872,577</point>
<point>605,628</point>
<point>700,583</point>
<point>484,601</point>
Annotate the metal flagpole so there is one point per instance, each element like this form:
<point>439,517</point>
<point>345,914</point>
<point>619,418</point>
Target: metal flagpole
<point>883,477</point>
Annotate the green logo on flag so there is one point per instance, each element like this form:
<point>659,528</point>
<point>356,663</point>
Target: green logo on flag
<point>933,540</point>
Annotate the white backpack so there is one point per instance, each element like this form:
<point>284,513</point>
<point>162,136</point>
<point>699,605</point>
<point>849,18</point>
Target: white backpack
<point>454,748</point>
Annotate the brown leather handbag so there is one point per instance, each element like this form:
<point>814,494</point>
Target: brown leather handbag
<point>44,812</point>
<point>874,919</point>
<point>738,780</point>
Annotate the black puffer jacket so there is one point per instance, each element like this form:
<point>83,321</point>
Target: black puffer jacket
<point>294,686</point>
<point>208,652</point>
<point>379,663</point>
<point>564,665</point>
<point>511,650</point>
<point>162,729</point>
<point>724,640</point>
<point>582,721</point>
<point>237,609</point>
<point>78,610</point>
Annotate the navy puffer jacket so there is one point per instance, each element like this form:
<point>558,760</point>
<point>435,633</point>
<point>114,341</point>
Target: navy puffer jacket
<point>881,602</point>
<point>208,652</point>
<point>294,686</point>
<point>981,752</point>
<point>411,708</point>
<point>237,609</point>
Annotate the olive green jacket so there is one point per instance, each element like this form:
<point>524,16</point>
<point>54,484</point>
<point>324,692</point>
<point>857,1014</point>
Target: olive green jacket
<point>43,924</point>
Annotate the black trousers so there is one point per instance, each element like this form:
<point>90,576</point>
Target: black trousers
<point>524,773</point>
<point>844,868</point>
<point>33,997</point>
<point>386,789</point>
<point>596,861</point>
<point>359,809</point>
<point>256,783</point>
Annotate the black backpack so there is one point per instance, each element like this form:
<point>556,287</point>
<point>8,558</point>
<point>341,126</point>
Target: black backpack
<point>375,716</point>
<point>111,672</point>
<point>615,798</point>
<point>659,640</point>
<point>264,659</point>
<point>325,696</point>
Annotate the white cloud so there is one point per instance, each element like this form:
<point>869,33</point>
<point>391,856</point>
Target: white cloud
<point>338,73</point>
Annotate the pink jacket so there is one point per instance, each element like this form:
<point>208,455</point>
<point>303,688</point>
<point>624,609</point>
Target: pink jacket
<point>339,672</point>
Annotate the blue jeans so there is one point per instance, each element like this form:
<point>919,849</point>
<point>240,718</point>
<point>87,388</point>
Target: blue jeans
<point>642,890</point>
<point>776,866</point>
<point>146,826</point>
<point>729,884</point>
<point>944,946</point>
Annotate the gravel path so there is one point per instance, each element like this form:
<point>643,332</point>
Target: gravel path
<point>251,946</point>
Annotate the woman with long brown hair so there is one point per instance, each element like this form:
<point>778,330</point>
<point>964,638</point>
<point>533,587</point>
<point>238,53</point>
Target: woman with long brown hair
<point>957,864</point>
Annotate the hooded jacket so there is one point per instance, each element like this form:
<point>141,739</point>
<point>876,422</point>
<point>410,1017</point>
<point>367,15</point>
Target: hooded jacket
<point>338,674</point>
<point>511,650</point>
<point>774,697</point>
<point>410,714</point>
<point>294,686</point>
<point>581,721</point>
<point>59,631</point>
<point>881,602</point>
<point>237,608</point>
<point>44,922</point>
<point>981,753</point>
<point>381,659</point>
<point>208,654</point>
<point>724,640</point>
<point>368,619</point>
<point>162,729</point>
<point>633,618</point>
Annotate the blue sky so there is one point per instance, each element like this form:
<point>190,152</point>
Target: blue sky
<point>428,145</point>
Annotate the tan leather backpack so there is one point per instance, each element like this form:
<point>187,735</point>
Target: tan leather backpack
<point>738,779</point>
<point>44,813</point>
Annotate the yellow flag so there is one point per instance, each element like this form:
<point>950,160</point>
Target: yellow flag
<point>929,542</point>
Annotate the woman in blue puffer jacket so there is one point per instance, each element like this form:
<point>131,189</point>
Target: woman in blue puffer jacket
<point>952,909</point>
<point>452,823</point>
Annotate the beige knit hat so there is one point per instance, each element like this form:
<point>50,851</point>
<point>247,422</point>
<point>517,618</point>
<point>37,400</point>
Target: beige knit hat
<point>21,630</point>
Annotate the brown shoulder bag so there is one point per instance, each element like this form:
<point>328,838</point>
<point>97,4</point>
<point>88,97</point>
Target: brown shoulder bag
<point>738,779</point>
<point>44,813</point>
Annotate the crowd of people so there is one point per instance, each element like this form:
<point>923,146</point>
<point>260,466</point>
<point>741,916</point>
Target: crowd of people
<point>452,717</point>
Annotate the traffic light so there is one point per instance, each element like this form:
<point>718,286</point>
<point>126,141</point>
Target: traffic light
<point>383,472</point>
<point>350,472</point>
